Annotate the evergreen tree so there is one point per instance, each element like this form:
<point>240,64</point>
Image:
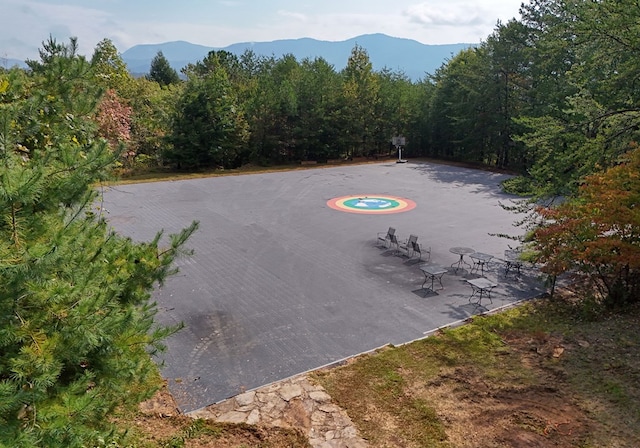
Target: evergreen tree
<point>76,325</point>
<point>318,92</point>
<point>161,71</point>
<point>361,97</point>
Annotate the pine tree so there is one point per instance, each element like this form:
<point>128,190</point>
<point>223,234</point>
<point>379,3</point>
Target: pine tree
<point>76,324</point>
<point>161,71</point>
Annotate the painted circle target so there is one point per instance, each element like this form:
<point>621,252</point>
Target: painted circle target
<point>371,205</point>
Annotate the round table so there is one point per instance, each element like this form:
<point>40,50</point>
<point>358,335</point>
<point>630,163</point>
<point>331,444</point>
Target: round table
<point>462,251</point>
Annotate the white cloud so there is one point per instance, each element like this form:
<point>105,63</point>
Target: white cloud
<point>293,15</point>
<point>32,22</point>
<point>448,15</point>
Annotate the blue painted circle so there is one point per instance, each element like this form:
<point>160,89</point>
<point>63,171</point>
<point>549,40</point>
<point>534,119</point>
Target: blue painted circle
<point>368,203</point>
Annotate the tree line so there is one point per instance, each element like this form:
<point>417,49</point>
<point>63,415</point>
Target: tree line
<point>550,96</point>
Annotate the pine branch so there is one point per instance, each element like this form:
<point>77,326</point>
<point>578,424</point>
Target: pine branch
<point>14,226</point>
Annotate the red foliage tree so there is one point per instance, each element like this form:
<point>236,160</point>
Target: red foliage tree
<point>114,120</point>
<point>597,233</point>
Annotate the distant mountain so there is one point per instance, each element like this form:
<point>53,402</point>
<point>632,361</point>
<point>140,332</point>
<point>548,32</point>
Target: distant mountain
<point>8,63</point>
<point>413,58</point>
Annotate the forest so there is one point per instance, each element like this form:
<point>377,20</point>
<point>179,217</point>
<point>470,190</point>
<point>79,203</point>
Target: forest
<point>552,97</point>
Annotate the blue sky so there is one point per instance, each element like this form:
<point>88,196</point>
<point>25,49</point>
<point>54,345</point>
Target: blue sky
<point>24,24</point>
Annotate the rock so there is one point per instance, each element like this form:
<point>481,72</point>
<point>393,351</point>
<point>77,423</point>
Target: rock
<point>233,417</point>
<point>349,433</point>
<point>329,435</point>
<point>291,403</point>
<point>245,399</point>
<point>254,417</point>
<point>290,391</point>
<point>200,414</point>
<point>222,407</point>
<point>329,408</point>
<point>266,397</point>
<point>318,418</point>
<point>320,396</point>
<point>308,386</point>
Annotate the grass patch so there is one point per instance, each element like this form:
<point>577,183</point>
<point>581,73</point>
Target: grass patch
<point>170,175</point>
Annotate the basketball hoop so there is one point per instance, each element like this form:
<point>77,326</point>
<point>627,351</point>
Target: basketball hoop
<point>399,141</point>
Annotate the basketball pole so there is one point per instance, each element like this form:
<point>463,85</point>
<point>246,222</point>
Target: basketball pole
<point>399,142</point>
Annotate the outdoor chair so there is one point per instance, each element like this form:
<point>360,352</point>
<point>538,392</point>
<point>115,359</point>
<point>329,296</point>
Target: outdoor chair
<point>512,260</point>
<point>408,247</point>
<point>393,242</point>
<point>421,250</point>
<point>388,238</point>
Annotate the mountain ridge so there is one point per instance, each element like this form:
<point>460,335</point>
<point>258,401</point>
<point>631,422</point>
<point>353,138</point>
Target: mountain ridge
<point>414,59</point>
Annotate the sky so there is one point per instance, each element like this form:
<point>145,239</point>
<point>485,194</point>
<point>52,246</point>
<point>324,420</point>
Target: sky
<point>25,24</point>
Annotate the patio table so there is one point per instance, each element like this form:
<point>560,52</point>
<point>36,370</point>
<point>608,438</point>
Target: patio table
<point>432,273</point>
<point>480,260</point>
<point>481,287</point>
<point>462,251</point>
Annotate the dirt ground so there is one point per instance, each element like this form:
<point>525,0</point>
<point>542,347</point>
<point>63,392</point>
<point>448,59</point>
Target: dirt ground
<point>480,413</point>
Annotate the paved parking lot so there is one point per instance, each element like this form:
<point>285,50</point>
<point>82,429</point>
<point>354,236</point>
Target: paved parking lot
<point>281,283</point>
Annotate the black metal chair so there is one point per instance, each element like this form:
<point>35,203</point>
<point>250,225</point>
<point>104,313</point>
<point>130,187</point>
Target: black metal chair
<point>408,247</point>
<point>512,260</point>
<point>388,238</point>
<point>417,249</point>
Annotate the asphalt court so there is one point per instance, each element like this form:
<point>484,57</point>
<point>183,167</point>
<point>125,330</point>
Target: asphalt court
<point>281,283</point>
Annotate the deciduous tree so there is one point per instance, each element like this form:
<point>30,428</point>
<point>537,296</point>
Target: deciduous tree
<point>109,69</point>
<point>114,119</point>
<point>597,234</point>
